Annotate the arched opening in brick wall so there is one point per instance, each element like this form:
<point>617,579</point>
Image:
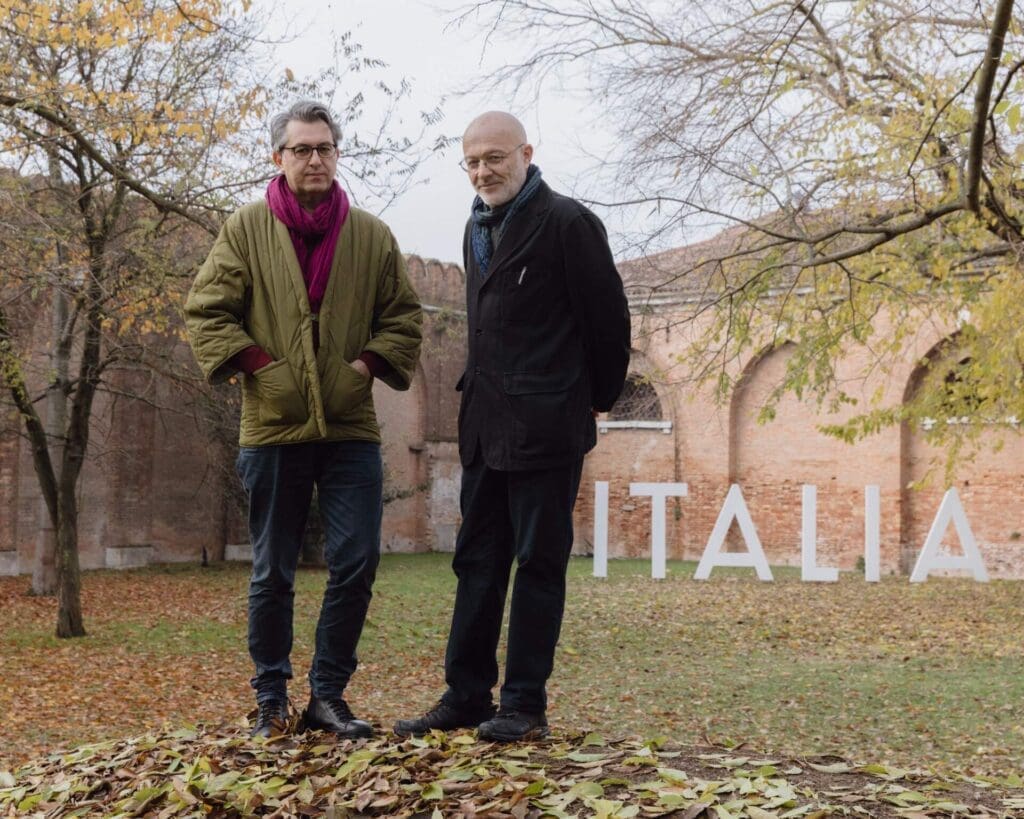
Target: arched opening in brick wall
<point>639,401</point>
<point>772,460</point>
<point>989,485</point>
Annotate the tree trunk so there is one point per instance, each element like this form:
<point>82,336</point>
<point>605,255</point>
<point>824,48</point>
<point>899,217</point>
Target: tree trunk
<point>44,567</point>
<point>69,601</point>
<point>76,443</point>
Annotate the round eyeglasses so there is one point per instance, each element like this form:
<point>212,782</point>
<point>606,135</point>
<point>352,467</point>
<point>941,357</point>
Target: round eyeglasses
<point>471,164</point>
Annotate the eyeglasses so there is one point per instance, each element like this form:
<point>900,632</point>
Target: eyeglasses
<point>492,160</point>
<point>324,150</point>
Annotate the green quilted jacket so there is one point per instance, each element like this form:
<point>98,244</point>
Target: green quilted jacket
<point>250,290</point>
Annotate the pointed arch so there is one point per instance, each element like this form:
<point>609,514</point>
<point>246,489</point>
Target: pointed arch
<point>989,480</point>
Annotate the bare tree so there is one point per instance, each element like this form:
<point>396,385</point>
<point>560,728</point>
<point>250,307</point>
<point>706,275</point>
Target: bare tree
<point>862,158</point>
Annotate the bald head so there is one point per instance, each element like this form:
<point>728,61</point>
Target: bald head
<point>495,124</point>
<point>496,156</point>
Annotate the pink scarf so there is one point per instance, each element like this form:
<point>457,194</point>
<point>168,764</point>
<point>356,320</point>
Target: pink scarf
<point>314,235</point>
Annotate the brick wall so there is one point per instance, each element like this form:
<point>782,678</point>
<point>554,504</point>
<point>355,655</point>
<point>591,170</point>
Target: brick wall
<point>153,476</point>
<point>8,490</point>
<point>716,445</point>
<point>402,418</point>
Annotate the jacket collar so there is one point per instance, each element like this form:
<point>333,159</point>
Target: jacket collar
<point>522,226</point>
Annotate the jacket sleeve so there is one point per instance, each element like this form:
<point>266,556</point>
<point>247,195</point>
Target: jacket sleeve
<point>599,304</point>
<point>397,320</point>
<point>214,309</point>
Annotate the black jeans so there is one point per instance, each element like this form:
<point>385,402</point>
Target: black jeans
<point>526,516</point>
<point>279,481</point>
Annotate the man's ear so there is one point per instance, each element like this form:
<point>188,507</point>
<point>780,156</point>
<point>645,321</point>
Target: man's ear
<point>528,153</point>
<point>276,156</point>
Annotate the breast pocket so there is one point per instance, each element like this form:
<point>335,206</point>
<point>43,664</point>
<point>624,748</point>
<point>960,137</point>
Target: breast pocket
<point>526,289</point>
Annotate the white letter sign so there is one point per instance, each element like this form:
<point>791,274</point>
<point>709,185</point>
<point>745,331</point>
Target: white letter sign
<point>657,493</point>
<point>809,568</point>
<point>734,508</point>
<point>872,538</point>
<point>600,528</point>
<point>949,510</point>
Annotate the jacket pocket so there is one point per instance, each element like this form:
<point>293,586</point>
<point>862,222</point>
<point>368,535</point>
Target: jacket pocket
<point>530,383</point>
<point>547,410</point>
<point>280,401</point>
<point>343,389</point>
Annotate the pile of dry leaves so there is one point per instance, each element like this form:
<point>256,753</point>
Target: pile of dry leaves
<point>221,773</point>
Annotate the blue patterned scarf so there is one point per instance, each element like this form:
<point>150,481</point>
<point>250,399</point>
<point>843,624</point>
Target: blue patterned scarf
<point>484,218</point>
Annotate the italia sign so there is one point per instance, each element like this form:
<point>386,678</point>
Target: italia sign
<point>930,559</point>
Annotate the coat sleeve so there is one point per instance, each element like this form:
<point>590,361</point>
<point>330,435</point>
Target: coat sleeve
<point>397,320</point>
<point>214,309</point>
<point>599,305</point>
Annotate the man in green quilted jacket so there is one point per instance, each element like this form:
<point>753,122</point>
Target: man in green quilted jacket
<point>307,298</point>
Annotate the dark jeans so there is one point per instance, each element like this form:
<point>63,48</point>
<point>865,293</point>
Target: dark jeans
<point>279,481</point>
<point>526,516</point>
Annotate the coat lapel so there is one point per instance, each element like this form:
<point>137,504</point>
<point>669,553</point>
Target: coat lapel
<point>523,225</point>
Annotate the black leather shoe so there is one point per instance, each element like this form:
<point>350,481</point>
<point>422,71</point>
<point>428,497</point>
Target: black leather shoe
<point>444,717</point>
<point>271,719</point>
<point>335,716</point>
<point>509,725</point>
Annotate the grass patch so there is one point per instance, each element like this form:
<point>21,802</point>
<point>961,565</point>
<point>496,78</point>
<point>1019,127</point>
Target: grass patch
<point>924,674</point>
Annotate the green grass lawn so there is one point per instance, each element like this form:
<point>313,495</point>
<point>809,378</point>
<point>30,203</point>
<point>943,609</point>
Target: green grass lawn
<point>926,674</point>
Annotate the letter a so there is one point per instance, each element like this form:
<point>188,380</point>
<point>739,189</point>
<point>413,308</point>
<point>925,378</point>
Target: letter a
<point>734,508</point>
<point>949,510</point>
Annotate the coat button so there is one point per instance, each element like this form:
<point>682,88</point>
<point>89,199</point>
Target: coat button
<point>479,332</point>
<point>476,371</point>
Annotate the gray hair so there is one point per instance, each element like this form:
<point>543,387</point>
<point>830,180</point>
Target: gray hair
<point>303,111</point>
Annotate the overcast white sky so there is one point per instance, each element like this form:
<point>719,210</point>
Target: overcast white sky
<point>410,36</point>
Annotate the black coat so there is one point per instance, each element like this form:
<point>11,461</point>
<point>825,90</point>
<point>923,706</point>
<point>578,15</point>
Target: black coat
<point>548,338</point>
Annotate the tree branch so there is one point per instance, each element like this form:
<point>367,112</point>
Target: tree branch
<point>989,66</point>
<point>96,155</point>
